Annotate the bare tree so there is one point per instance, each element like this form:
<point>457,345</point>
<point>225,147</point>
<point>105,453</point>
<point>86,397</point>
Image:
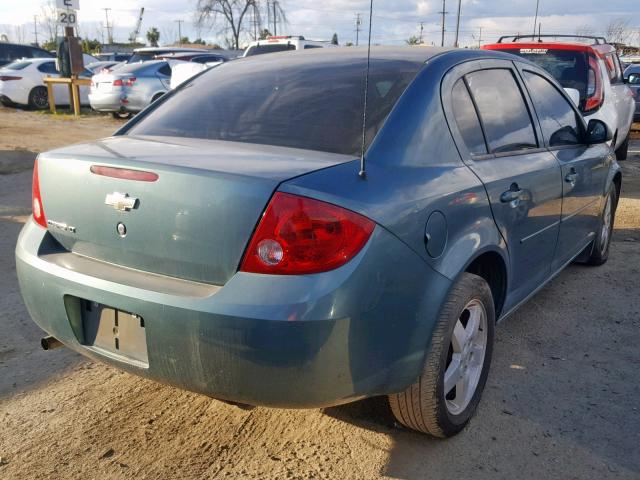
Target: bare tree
<point>235,18</point>
<point>585,30</point>
<point>618,30</point>
<point>49,21</point>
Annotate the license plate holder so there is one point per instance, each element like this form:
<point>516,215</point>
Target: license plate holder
<point>115,333</point>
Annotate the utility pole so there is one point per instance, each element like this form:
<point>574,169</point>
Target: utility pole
<point>443,12</point>
<point>535,20</point>
<point>455,44</point>
<point>480,38</point>
<point>109,34</point>
<point>35,28</point>
<point>421,31</point>
<point>275,18</point>
<point>358,29</point>
<point>179,22</point>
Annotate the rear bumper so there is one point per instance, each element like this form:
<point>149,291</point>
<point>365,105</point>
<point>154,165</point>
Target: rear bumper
<point>299,342</point>
<point>106,102</point>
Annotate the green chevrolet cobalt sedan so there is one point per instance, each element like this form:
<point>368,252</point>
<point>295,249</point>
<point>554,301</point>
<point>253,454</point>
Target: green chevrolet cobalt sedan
<point>246,238</point>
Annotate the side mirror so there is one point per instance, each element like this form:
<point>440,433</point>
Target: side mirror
<point>574,95</point>
<point>633,79</point>
<point>598,132</point>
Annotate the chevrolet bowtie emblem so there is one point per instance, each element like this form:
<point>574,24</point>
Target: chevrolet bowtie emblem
<point>121,201</point>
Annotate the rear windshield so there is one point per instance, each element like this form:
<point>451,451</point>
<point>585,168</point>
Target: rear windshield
<point>295,102</point>
<point>269,48</point>
<point>18,65</point>
<point>568,67</point>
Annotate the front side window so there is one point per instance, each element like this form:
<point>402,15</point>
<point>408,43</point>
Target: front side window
<point>467,119</point>
<point>557,118</point>
<point>503,111</point>
<point>295,102</point>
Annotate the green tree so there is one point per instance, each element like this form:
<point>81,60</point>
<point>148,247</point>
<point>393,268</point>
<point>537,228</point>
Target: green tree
<point>199,41</point>
<point>90,46</point>
<point>334,39</point>
<point>153,36</point>
<point>184,40</point>
<point>348,44</point>
<point>413,40</point>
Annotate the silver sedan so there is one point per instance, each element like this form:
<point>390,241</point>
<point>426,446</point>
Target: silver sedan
<point>131,88</point>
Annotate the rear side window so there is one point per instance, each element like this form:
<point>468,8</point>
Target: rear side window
<point>165,70</point>
<point>557,118</point>
<point>503,111</point>
<point>467,119</point>
<point>48,67</point>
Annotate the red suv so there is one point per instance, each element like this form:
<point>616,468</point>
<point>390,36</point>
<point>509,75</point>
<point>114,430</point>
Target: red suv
<point>589,70</point>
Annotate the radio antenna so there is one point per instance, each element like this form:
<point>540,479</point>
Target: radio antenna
<point>363,169</point>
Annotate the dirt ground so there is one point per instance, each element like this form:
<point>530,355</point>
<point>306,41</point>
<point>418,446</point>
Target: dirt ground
<point>561,400</point>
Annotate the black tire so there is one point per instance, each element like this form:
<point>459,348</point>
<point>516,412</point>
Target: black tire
<point>622,151</point>
<point>602,243</point>
<point>156,97</point>
<point>424,406</point>
<point>38,98</point>
<point>122,115</point>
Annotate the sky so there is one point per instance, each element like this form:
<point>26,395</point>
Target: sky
<point>394,21</point>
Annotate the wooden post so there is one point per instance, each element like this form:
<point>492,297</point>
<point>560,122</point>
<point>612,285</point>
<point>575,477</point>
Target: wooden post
<point>50,97</point>
<point>75,89</point>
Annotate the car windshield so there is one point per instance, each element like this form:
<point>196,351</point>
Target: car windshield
<point>269,48</point>
<point>568,67</point>
<point>17,65</point>
<point>296,102</point>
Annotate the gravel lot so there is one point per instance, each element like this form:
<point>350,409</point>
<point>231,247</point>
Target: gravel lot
<point>561,400</point>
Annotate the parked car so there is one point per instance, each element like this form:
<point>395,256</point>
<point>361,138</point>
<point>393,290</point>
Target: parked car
<point>13,51</point>
<point>113,56</point>
<point>632,77</point>
<point>22,83</point>
<point>130,88</point>
<point>146,54</point>
<point>186,65</point>
<point>283,43</point>
<point>231,241</point>
<point>592,68</point>
<point>96,67</point>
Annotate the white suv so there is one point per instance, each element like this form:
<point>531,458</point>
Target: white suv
<point>283,44</point>
<point>591,69</point>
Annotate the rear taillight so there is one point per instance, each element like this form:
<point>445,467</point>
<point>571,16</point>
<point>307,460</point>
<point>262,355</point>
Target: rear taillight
<point>8,78</point>
<point>595,93</point>
<point>36,199</point>
<point>299,235</point>
<point>127,82</point>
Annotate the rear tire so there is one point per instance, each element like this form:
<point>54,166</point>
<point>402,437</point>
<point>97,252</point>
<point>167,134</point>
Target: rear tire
<point>622,151</point>
<point>602,243</point>
<point>39,98</point>
<point>122,115</point>
<point>156,97</point>
<point>458,360</point>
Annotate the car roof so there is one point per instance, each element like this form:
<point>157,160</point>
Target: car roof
<point>168,49</point>
<point>416,54</point>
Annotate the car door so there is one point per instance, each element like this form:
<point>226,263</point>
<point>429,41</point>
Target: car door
<point>584,168</point>
<point>521,177</point>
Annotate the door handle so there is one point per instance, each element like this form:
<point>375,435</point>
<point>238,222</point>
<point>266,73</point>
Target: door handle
<point>512,195</point>
<point>571,177</point>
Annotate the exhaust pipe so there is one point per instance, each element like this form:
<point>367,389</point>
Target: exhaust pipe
<point>49,343</point>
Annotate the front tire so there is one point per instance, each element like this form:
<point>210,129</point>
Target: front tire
<point>39,98</point>
<point>445,396</point>
<point>602,243</point>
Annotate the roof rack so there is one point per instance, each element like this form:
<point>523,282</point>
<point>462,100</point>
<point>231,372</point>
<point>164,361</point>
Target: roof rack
<point>514,38</point>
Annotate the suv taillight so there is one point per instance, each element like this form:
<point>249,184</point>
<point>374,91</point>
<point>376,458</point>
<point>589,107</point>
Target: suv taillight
<point>298,235</point>
<point>36,198</point>
<point>595,92</point>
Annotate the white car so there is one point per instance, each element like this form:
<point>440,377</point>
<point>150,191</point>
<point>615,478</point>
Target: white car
<point>22,83</point>
<point>283,44</point>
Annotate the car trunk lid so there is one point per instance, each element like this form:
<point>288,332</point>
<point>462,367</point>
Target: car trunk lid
<point>192,222</point>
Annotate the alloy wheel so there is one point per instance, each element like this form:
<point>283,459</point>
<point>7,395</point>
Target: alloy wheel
<point>40,99</point>
<point>466,356</point>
